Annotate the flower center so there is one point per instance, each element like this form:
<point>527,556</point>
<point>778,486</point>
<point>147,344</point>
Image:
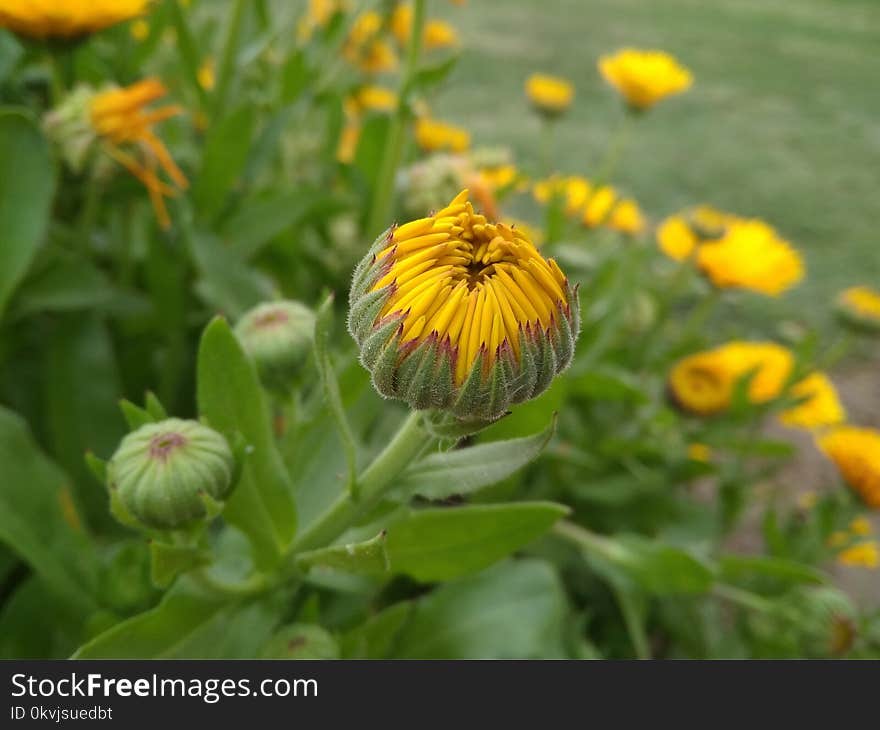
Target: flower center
<point>164,444</point>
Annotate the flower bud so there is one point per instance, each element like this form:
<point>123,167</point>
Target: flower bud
<point>859,307</point>
<point>456,313</point>
<point>69,126</point>
<point>171,474</point>
<point>278,336</point>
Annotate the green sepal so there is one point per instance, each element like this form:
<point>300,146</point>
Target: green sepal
<point>97,466</point>
<point>135,416</point>
<point>154,406</point>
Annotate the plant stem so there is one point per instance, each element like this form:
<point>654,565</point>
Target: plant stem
<point>227,61</point>
<point>394,141</point>
<point>373,482</point>
<point>613,152</point>
<point>256,583</point>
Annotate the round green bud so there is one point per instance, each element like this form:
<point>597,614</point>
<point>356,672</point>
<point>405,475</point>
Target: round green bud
<point>278,337</point>
<point>458,314</point>
<point>171,474</point>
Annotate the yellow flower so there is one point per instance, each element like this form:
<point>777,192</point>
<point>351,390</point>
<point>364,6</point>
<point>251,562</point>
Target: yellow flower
<point>627,217</point>
<point>501,177</point>
<point>644,77</point>
<point>318,14</point>
<point>434,136</point>
<point>365,49</point>
<point>861,305</point>
<point>675,238</point>
<point>455,311</point>
<point>704,383</point>
<point>599,206</point>
<point>822,407</point>
<point>66,18</point>
<point>550,95</point>
<point>709,222</point>
<point>535,235</point>
<point>348,142</point>
<point>699,452</point>
<point>861,526</point>
<point>856,453</point>
<point>140,29</point>
<point>863,555</point>
<point>373,99</point>
<point>435,35</point>
<point>751,256</point>
<point>206,76</point>
<point>121,119</point>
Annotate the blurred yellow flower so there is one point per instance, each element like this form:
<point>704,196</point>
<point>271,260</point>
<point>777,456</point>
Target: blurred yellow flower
<point>365,49</point>
<point>550,95</point>
<point>373,99</point>
<point>140,29</point>
<point>318,14</point>
<point>599,206</point>
<point>433,136</point>
<point>861,305</point>
<point>703,383</point>
<point>675,238</point>
<point>751,256</point>
<point>709,223</point>
<point>699,452</point>
<point>435,35</point>
<point>838,538</point>
<point>205,74</point>
<point>861,526</point>
<point>348,141</point>
<point>856,453</point>
<point>501,177</point>
<point>863,555</point>
<point>120,118</point>
<point>644,77</point>
<point>66,18</point>
<point>822,407</point>
<point>627,217</point>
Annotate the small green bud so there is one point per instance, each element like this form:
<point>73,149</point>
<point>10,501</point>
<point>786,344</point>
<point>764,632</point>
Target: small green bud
<point>69,126</point>
<point>171,474</point>
<point>278,337</point>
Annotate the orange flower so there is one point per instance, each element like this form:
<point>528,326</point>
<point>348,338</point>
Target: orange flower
<point>121,119</point>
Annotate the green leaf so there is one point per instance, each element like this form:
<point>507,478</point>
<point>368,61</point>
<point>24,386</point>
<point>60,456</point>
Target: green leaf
<point>225,154</point>
<point>376,638</point>
<point>368,557</point>
<point>516,610</point>
<point>231,399</point>
<point>169,561</point>
<point>737,567</point>
<point>301,641</point>
<point>442,544</point>
<point>463,471</point>
<point>430,76</point>
<point>26,188</point>
<point>190,624</point>
<point>37,520</point>
<point>295,76</point>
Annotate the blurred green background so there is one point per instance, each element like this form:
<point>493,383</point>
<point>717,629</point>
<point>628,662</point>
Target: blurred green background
<point>782,123</point>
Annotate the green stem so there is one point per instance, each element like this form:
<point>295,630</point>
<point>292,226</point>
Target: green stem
<point>256,583</point>
<point>742,598</point>
<point>548,130</point>
<point>613,152</point>
<point>227,60</point>
<point>409,441</point>
<point>394,141</point>
<point>584,539</point>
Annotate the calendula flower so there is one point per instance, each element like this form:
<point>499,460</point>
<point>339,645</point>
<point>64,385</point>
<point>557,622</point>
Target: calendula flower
<point>122,121</point>
<point>599,206</point>
<point>751,256</point>
<point>704,383</point>
<point>435,136</point>
<point>699,452</point>
<point>371,98</point>
<point>627,217</point>
<point>206,76</point>
<point>41,19</point>
<point>863,555</point>
<point>644,77</point>
<point>457,313</point>
<point>860,305</point>
<point>675,238</point>
<point>856,453</point>
<point>822,406</point>
<point>436,34</point>
<point>501,177</point>
<point>318,14</point>
<point>348,142</point>
<point>365,48</point>
<point>861,526</point>
<point>140,29</point>
<point>550,95</point>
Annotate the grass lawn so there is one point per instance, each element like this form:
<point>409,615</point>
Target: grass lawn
<point>783,121</point>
